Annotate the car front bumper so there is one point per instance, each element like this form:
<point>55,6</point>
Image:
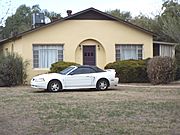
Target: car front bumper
<point>38,85</point>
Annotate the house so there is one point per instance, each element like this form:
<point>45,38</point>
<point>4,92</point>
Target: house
<point>89,37</point>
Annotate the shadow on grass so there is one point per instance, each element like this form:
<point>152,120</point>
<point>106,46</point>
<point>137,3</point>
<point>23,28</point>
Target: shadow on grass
<point>75,90</point>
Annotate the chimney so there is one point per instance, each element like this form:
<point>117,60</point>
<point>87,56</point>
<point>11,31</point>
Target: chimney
<point>69,12</point>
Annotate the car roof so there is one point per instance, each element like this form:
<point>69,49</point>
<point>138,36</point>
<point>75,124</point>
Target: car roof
<point>97,69</point>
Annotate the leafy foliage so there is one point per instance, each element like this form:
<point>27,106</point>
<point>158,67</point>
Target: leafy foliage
<point>61,65</point>
<point>170,19</point>
<point>12,70</point>
<point>122,15</point>
<point>21,20</point>
<point>130,70</point>
<point>161,70</point>
<point>151,24</point>
<point>177,73</point>
<point>18,22</point>
<point>177,55</point>
<point>144,21</point>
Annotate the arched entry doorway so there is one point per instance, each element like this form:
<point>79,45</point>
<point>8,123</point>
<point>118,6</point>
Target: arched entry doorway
<point>89,55</point>
<point>90,52</point>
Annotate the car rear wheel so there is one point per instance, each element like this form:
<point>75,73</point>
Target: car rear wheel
<point>102,84</point>
<point>54,86</point>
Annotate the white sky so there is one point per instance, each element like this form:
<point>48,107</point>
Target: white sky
<point>147,7</point>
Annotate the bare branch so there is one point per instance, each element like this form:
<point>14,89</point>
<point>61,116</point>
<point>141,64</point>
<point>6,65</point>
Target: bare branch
<point>7,8</point>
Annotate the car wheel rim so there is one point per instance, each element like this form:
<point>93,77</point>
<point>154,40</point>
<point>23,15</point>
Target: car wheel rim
<point>54,87</point>
<point>103,85</point>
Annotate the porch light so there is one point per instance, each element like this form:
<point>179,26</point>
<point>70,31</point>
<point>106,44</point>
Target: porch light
<point>98,47</point>
<point>80,47</point>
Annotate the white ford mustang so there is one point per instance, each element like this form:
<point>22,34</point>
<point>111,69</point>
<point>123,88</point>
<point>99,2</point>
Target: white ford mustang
<point>76,77</point>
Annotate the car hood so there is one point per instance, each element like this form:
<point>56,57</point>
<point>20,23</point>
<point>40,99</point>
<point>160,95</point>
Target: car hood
<point>49,75</point>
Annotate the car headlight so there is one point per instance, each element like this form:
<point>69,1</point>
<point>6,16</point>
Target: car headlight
<point>39,80</point>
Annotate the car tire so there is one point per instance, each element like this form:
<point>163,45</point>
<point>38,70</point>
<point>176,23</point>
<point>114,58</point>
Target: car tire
<point>54,86</point>
<point>102,84</point>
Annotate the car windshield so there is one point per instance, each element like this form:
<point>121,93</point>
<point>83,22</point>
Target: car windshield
<point>65,71</point>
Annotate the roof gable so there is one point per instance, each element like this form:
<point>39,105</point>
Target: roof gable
<point>87,14</point>
<point>90,14</point>
<point>94,14</point>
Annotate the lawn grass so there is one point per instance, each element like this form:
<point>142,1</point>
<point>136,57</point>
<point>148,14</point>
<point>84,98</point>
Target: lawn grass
<point>123,110</point>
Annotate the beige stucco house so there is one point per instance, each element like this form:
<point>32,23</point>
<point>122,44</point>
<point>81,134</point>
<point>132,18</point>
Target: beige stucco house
<point>88,37</point>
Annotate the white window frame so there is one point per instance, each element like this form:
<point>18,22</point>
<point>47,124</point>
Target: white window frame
<point>44,62</point>
<point>120,47</point>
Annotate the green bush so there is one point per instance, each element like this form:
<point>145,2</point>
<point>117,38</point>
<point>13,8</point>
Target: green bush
<point>133,71</point>
<point>12,70</point>
<point>177,56</point>
<point>177,73</point>
<point>161,70</point>
<point>61,65</point>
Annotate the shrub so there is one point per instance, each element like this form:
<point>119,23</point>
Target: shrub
<point>177,56</point>
<point>133,71</point>
<point>61,65</point>
<point>12,70</point>
<point>177,73</point>
<point>161,70</point>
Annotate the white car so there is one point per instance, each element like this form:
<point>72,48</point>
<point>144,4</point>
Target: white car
<point>76,77</point>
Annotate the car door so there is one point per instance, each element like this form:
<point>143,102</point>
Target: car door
<point>81,77</point>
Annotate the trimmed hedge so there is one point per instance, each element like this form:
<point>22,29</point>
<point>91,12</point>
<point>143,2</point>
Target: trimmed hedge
<point>61,65</point>
<point>161,70</point>
<point>133,71</point>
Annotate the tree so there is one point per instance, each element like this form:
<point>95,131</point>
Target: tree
<point>145,22</point>
<point>122,15</point>
<point>18,22</point>
<point>51,15</point>
<point>21,20</point>
<point>171,19</point>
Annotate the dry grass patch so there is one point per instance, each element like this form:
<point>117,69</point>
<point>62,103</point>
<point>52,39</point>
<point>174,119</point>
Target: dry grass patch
<point>123,110</point>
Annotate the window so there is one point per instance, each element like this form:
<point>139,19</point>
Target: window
<point>128,51</point>
<point>166,50</point>
<point>82,70</point>
<point>45,55</point>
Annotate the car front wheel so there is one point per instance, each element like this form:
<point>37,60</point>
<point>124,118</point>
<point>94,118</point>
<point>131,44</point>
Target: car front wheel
<point>102,84</point>
<point>54,86</point>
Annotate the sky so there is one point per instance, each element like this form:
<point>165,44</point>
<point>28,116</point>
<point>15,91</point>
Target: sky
<point>147,7</point>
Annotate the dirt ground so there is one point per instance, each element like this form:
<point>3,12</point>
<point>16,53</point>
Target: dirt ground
<point>128,110</point>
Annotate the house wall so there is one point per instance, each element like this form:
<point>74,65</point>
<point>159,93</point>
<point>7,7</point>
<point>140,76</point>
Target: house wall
<point>72,33</point>
<point>13,46</point>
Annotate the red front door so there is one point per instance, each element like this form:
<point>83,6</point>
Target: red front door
<point>89,55</point>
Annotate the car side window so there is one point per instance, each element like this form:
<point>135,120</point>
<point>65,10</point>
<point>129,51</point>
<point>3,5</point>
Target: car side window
<point>82,70</point>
